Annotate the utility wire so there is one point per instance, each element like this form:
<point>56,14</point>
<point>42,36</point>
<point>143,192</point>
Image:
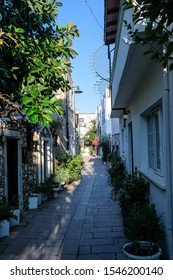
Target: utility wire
<point>93,14</point>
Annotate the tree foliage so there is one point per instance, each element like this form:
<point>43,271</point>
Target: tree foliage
<point>34,58</point>
<point>92,132</point>
<point>157,17</point>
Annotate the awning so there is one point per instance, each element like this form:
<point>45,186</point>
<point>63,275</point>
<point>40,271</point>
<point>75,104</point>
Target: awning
<point>111,13</point>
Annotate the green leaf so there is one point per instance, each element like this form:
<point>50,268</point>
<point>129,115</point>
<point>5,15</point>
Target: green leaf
<point>31,5</point>
<point>30,79</point>
<point>48,110</point>
<point>47,117</point>
<point>26,100</point>
<point>33,90</point>
<point>35,70</point>
<point>37,61</point>
<point>53,99</point>
<point>39,7</point>
<point>46,122</point>
<point>41,80</point>
<point>33,118</point>
<point>15,68</point>
<point>19,30</point>
<point>32,110</point>
<point>41,87</point>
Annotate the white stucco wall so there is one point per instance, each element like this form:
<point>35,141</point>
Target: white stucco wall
<point>148,93</point>
<point>138,85</point>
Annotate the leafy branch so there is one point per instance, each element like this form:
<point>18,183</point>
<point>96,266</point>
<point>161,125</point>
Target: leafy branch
<point>34,58</point>
<point>156,16</point>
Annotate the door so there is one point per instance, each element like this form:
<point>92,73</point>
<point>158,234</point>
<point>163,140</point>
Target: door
<point>12,167</point>
<point>45,160</point>
<point>131,160</point>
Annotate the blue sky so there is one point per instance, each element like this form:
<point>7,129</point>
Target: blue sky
<point>91,37</point>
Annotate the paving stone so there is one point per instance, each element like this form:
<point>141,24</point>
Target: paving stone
<point>12,249</point>
<point>97,257</point>
<point>87,235</point>
<point>84,250</point>
<point>66,257</point>
<point>7,257</point>
<point>81,223</point>
<point>49,251</point>
<point>98,229</point>
<point>73,234</point>
<point>96,241</point>
<point>104,234</point>
<point>69,247</point>
<point>104,249</point>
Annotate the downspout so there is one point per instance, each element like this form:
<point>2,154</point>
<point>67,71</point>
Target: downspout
<point>166,99</point>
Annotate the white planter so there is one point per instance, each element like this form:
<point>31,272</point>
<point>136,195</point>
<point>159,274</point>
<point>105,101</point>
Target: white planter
<point>4,228</point>
<point>15,222</point>
<point>143,244</point>
<point>39,197</point>
<point>33,202</point>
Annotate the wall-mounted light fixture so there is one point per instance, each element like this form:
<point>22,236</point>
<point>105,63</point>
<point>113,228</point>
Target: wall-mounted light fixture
<point>78,90</point>
<point>125,114</point>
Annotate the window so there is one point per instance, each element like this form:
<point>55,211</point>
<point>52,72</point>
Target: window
<point>154,140</point>
<point>81,120</point>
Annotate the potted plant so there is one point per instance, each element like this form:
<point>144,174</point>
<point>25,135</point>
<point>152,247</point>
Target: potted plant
<point>134,190</point>
<point>14,205</point>
<point>116,173</point>
<point>5,215</point>
<point>47,188</point>
<point>144,230</point>
<point>104,145</point>
<point>37,190</point>
<point>142,250</point>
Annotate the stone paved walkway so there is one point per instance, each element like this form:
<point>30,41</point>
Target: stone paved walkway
<point>82,223</point>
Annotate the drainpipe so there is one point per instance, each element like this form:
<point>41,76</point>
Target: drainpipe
<point>166,102</point>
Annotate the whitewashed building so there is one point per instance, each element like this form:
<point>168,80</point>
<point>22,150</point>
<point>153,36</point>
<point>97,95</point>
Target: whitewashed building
<point>106,125</point>
<point>142,99</point>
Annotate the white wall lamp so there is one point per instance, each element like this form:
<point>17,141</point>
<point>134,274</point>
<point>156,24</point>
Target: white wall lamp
<point>125,114</point>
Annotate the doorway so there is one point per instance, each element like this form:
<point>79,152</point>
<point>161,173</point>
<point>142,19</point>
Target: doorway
<point>131,160</point>
<point>12,168</point>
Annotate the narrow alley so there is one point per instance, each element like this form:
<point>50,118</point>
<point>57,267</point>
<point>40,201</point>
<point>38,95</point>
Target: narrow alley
<point>82,223</point>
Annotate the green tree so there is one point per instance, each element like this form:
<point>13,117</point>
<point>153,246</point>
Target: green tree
<point>92,132</point>
<point>158,18</point>
<point>34,58</point>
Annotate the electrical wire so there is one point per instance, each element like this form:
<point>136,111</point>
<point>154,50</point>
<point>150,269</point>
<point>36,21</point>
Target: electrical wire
<point>93,14</point>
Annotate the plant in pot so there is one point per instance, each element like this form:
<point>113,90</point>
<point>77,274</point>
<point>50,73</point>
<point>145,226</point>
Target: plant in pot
<point>38,191</point>
<point>5,215</point>
<point>104,145</point>
<point>144,230</point>
<point>14,205</point>
<point>116,174</point>
<point>62,176</point>
<point>134,190</point>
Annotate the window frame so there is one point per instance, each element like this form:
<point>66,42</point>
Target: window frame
<point>154,129</point>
